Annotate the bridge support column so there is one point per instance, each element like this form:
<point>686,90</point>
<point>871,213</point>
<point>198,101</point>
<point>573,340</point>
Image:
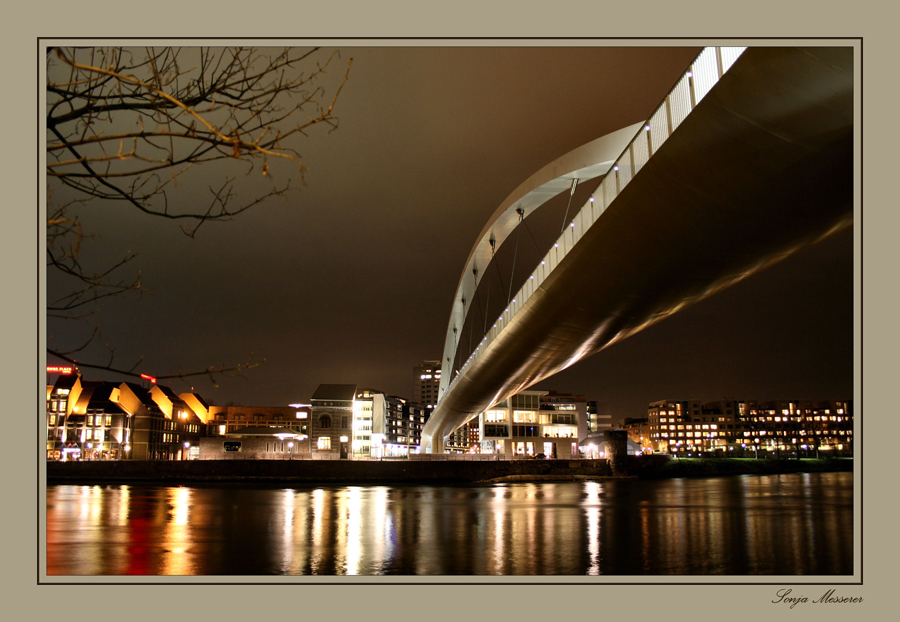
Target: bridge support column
<point>616,450</point>
<point>437,444</point>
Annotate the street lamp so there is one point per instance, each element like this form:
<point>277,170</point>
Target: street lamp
<point>184,453</point>
<point>291,450</point>
<point>90,454</point>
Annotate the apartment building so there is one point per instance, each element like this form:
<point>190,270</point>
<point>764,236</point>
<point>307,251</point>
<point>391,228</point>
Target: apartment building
<point>531,423</point>
<point>797,427</point>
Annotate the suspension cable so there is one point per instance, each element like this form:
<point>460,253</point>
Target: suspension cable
<point>571,194</point>
<point>480,308</point>
<point>512,274</point>
<point>531,235</point>
<point>487,304</point>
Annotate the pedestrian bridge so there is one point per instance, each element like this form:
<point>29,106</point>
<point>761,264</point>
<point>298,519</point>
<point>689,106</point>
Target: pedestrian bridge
<point>748,159</point>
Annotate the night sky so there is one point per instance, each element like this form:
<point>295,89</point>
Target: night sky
<point>351,279</point>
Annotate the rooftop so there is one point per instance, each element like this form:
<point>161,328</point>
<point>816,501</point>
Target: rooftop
<point>338,392</point>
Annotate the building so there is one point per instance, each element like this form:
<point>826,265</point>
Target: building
<point>96,420</point>
<point>465,439</point>
<point>226,419</point>
<point>599,417</point>
<point>360,423</point>
<point>331,413</point>
<point>426,383</point>
<point>191,425</point>
<point>256,443</point>
<point>404,421</point>
<point>736,427</point>
<point>594,446</point>
<point>531,423</point>
<point>369,410</point>
<point>638,430</point>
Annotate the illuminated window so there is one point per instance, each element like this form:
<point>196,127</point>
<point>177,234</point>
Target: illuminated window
<point>52,419</point>
<point>495,415</point>
<point>524,416</point>
<point>324,442</point>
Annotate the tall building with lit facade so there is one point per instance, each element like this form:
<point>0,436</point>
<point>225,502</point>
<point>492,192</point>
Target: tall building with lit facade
<point>403,424</point>
<point>535,422</point>
<point>798,427</point>
<point>426,383</point>
<point>369,411</point>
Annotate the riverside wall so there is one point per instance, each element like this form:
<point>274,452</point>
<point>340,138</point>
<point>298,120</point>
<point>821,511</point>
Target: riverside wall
<point>316,472</point>
<point>323,471</point>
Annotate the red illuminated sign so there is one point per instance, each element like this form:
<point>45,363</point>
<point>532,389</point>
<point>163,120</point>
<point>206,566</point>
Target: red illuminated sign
<point>59,370</point>
<point>150,378</point>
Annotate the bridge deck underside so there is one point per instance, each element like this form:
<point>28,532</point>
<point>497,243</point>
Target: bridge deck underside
<point>762,167</point>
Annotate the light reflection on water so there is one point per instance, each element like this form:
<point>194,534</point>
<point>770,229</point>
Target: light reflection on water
<point>771,525</point>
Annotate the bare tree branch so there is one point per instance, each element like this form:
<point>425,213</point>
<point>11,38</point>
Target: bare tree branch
<point>126,125</point>
<point>212,372</point>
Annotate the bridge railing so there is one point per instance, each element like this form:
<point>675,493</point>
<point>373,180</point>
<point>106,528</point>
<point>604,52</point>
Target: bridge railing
<point>706,70</point>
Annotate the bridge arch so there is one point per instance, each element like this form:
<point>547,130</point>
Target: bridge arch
<point>760,166</point>
<point>585,163</point>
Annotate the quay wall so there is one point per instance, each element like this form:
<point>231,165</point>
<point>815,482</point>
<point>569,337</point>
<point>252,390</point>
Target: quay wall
<point>314,472</point>
<point>322,471</point>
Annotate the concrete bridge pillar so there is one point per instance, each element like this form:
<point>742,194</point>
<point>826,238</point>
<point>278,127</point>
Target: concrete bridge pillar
<point>437,444</point>
<point>616,450</point>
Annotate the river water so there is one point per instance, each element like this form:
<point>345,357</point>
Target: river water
<point>797,524</point>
